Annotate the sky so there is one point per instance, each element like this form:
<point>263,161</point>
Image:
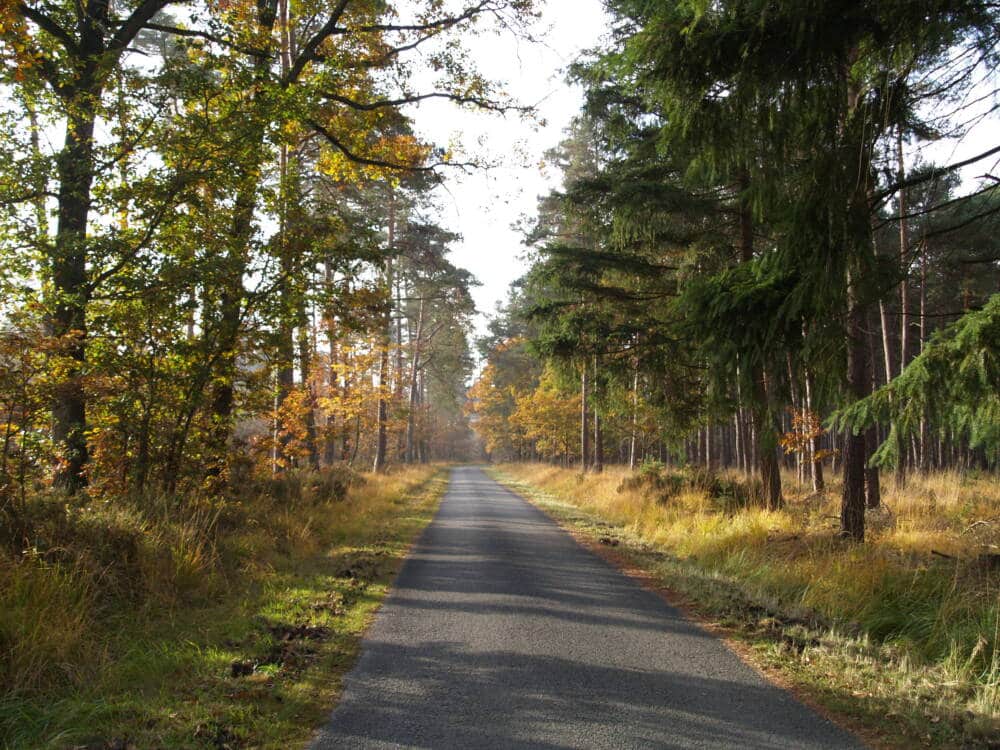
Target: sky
<point>483,205</point>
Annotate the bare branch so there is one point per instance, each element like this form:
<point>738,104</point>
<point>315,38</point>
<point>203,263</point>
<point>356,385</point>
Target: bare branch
<point>971,220</point>
<point>442,23</point>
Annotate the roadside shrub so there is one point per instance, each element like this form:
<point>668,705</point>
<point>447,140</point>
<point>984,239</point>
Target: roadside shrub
<point>732,495</point>
<point>655,481</point>
<point>71,562</point>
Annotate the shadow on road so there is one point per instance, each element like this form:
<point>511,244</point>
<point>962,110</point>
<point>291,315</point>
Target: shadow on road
<point>502,632</point>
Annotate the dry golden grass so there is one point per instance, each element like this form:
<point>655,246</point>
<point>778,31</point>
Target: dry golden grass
<point>118,609</point>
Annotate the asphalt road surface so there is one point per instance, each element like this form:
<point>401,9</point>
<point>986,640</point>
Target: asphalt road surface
<point>502,632</point>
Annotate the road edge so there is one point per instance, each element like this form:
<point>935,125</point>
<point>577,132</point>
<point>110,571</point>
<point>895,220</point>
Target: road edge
<point>729,636</point>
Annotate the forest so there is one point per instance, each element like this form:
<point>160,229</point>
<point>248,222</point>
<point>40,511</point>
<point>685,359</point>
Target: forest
<point>753,264</point>
<point>236,351</point>
<point>757,344</point>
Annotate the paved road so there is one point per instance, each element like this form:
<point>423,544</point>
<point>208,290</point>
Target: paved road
<point>502,632</point>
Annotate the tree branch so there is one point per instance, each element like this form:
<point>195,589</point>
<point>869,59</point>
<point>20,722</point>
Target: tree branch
<point>415,98</point>
<point>442,23</point>
<point>47,24</point>
<point>136,22</point>
<point>209,37</point>
<point>971,220</point>
<point>308,53</point>
<point>330,28</point>
<point>373,162</point>
<point>931,175</point>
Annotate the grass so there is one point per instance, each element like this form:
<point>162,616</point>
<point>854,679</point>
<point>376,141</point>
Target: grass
<point>890,634</point>
<point>213,627</point>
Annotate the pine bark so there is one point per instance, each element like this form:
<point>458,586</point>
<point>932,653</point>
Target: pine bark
<point>584,421</point>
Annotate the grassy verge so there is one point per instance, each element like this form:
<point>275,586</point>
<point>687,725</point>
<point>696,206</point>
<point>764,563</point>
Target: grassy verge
<point>236,637</point>
<point>891,636</point>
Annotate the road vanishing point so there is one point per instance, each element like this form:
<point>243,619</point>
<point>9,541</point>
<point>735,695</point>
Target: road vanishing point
<point>502,632</point>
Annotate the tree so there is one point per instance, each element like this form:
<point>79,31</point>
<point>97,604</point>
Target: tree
<point>197,124</point>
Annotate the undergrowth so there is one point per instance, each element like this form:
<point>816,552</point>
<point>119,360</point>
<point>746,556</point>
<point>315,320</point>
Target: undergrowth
<point>901,630</point>
<point>174,622</point>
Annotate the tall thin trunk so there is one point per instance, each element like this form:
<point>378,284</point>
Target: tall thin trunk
<point>852,512</point>
<point>598,427</point>
<point>330,428</point>
<point>632,448</point>
<point>799,409</point>
<point>737,444</point>
<point>383,368</point>
<point>770,470</point>
<point>286,328</point>
<point>382,414</point>
<point>287,258</point>
<point>584,421</point>
<point>75,167</point>
<point>305,365</point>
<point>858,375</point>
<point>886,347</point>
<point>873,491</point>
<point>230,303</point>
<point>923,341</point>
<point>904,303</point>
<point>904,260</point>
<point>414,370</point>
<point>397,386</point>
<point>815,457</point>
<point>598,443</point>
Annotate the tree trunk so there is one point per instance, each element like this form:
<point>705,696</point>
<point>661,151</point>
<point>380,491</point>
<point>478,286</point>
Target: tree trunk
<point>815,460</point>
<point>381,441</point>
<point>75,167</point>
<point>397,387</point>
<point>904,260</point>
<point>305,364</point>
<point>852,511</point>
<point>798,406</point>
<point>230,301</point>
<point>923,339</point>
<point>382,415</point>
<point>635,420</point>
<point>584,421</point>
<point>737,444</point>
<point>286,330</point>
<point>598,431</point>
<point>414,369</point>
<point>330,428</point>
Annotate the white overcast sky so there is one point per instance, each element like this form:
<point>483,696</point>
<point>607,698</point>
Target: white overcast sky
<point>482,206</point>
